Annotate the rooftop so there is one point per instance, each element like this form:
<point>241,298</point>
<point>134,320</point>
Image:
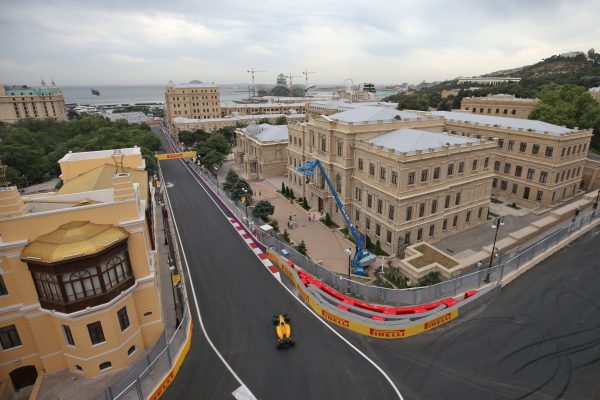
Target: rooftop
<point>410,140</point>
<point>91,155</point>
<point>267,132</point>
<point>344,106</point>
<point>253,105</point>
<point>373,113</point>
<point>73,239</point>
<point>503,97</point>
<point>595,89</point>
<point>182,120</point>
<point>23,90</point>
<point>134,117</point>
<point>503,122</point>
<point>192,85</point>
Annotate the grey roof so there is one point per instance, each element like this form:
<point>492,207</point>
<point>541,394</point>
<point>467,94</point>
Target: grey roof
<point>192,85</point>
<point>503,122</point>
<point>409,140</point>
<point>267,132</point>
<point>373,113</point>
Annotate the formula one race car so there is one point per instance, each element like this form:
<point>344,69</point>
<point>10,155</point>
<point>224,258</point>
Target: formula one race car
<point>283,330</point>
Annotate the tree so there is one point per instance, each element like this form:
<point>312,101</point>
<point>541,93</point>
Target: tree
<point>264,121</point>
<point>301,248</point>
<point>230,180</point>
<point>414,102</point>
<point>72,114</point>
<point>263,209</point>
<point>228,133</point>
<point>568,105</point>
<point>239,189</point>
<point>305,204</point>
<point>214,150</point>
<point>281,120</point>
<point>187,138</point>
<point>286,236</point>
<point>282,188</point>
<point>292,196</point>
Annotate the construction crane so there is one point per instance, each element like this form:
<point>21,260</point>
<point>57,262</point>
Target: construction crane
<point>362,258</point>
<point>290,76</point>
<point>306,73</point>
<point>252,71</point>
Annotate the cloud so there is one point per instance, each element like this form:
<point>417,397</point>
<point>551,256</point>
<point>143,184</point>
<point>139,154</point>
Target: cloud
<point>384,41</point>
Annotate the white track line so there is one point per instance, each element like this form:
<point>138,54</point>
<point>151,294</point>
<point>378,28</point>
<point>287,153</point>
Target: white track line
<point>385,375</point>
<point>243,388</point>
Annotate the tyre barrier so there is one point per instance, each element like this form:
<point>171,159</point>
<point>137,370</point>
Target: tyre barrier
<point>372,320</point>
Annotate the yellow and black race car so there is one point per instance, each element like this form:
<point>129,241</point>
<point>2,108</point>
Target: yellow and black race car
<point>283,330</point>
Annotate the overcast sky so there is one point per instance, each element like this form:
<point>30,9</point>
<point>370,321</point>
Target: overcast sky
<point>152,41</point>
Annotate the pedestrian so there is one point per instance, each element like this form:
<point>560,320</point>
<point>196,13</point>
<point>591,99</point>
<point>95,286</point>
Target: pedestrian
<point>578,211</point>
<point>259,194</point>
<point>290,216</point>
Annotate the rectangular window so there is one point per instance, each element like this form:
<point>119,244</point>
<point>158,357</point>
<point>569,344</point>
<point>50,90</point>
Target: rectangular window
<point>479,212</point>
<point>391,212</point>
<point>421,210</point>
<point>388,237</point>
<point>447,202</point>
<point>500,143</point>
<point>436,173</point>
<point>394,178</point>
<point>495,182</point>
<point>497,166</point>
<point>511,145</point>
<point>543,177</point>
<point>368,224</point>
<point>568,151</point>
<point>526,193</point>
<point>461,167</point>
<point>457,201</point>
<point>340,148</point>
<point>369,201</point>
<point>444,224</point>
<point>518,170</point>
<point>424,175</point>
<point>507,168</point>
<point>523,147</point>
<point>68,335</point>
<point>420,234</point>
<point>514,188</point>
<point>411,178</point>
<point>474,167</point>
<point>9,337</point>
<point>535,149</point>
<point>123,318</point>
<point>503,185</point>
<point>382,173</point>
<point>530,173</point>
<point>468,218</point>
<point>549,151</point>
<point>455,221</point>
<point>379,206</point>
<point>323,144</point>
<point>486,162</point>
<point>450,169</point>
<point>408,213</point>
<point>562,153</point>
<point>96,332</point>
<point>431,230</point>
<point>407,238</point>
<point>357,215</point>
<point>371,169</point>
<point>433,206</point>
<point>539,195</point>
<point>360,164</point>
<point>3,291</point>
<point>377,230</point>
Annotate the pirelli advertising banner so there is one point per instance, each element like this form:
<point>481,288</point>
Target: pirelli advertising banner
<point>360,327</point>
<point>170,156</point>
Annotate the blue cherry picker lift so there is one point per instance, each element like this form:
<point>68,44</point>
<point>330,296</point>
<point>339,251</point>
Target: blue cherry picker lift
<point>362,258</point>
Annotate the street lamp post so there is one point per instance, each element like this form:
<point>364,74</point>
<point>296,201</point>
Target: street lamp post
<point>349,252</point>
<point>597,198</point>
<point>246,201</point>
<point>216,176</point>
<point>496,225</point>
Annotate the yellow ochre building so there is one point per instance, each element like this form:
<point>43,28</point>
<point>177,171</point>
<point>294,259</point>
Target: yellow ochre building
<point>78,271</point>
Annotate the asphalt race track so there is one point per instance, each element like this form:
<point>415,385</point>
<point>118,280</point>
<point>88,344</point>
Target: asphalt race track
<point>237,298</point>
<point>539,339</point>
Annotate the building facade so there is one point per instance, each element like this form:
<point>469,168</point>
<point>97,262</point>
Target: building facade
<point>78,272</point>
<point>234,109</point>
<point>261,150</point>
<point>192,100</point>
<point>393,192</point>
<point>209,125</point>
<point>501,105</point>
<point>595,92</point>
<point>536,164</point>
<point>20,102</point>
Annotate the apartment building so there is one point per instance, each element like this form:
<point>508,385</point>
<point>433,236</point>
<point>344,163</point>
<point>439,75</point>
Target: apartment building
<point>192,100</point>
<point>78,271</point>
<point>503,105</point>
<point>20,101</point>
<point>595,92</point>
<point>371,172</point>
<point>209,125</point>
<point>536,163</point>
<point>261,150</point>
<point>233,109</point>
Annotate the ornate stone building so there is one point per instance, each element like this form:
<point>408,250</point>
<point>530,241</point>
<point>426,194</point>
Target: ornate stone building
<point>20,101</point>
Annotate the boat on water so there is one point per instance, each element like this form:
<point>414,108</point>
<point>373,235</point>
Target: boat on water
<point>95,92</point>
<point>85,109</point>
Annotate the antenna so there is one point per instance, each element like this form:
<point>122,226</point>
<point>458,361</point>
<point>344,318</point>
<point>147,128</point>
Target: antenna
<point>43,83</point>
<point>3,181</point>
<point>306,73</point>
<point>117,157</point>
<point>252,71</point>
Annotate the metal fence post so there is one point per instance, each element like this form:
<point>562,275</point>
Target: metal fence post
<point>138,388</point>
<point>169,355</point>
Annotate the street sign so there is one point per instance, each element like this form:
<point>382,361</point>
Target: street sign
<point>170,156</point>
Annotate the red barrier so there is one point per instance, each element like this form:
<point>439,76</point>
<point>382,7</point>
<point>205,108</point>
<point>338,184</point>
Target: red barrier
<point>307,279</point>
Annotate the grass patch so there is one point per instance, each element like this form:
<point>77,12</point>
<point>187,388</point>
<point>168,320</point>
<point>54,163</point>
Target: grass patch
<point>513,205</point>
<point>362,279</point>
<point>496,201</point>
<point>492,215</point>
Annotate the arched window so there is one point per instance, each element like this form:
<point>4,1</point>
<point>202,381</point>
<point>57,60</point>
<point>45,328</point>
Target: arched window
<point>115,271</point>
<point>48,286</point>
<point>81,284</point>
